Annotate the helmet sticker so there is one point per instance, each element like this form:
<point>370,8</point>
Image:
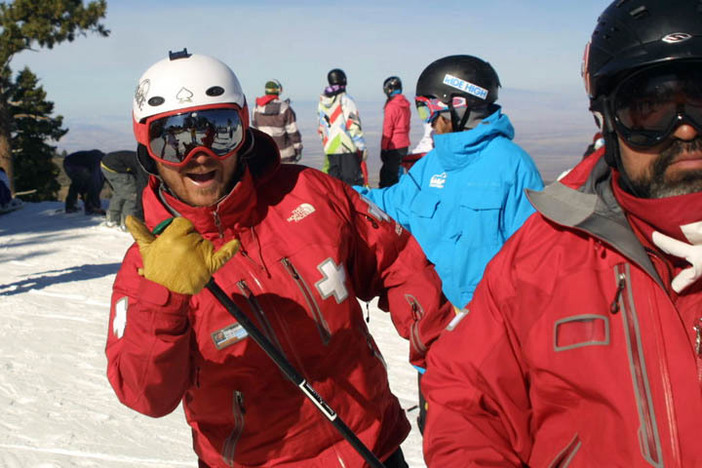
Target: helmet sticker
<point>677,37</point>
<point>141,92</point>
<point>466,86</point>
<point>184,95</point>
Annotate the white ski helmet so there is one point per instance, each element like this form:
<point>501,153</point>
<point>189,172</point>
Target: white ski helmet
<point>185,81</point>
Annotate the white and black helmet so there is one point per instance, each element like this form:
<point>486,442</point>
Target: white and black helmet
<point>180,85</point>
<point>184,81</point>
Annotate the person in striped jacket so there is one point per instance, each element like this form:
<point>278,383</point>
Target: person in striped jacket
<point>341,133</point>
<point>276,118</point>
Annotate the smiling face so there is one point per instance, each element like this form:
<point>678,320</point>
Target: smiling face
<point>672,168</point>
<point>203,181</point>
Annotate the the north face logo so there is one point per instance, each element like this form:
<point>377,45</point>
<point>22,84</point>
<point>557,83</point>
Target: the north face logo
<point>301,212</point>
<point>438,180</point>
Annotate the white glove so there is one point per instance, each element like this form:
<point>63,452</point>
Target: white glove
<point>691,253</point>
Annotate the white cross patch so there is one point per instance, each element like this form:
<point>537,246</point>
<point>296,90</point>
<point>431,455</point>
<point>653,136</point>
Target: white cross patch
<point>333,282</point>
<point>119,323</point>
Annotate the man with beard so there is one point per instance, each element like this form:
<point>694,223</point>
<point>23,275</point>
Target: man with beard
<point>582,345</point>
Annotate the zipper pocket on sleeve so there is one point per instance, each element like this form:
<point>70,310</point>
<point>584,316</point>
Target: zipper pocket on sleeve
<point>417,314</point>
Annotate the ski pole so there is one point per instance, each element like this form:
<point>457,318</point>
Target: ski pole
<point>292,374</point>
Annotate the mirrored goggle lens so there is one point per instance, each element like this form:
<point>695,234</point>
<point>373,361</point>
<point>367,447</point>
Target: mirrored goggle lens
<point>649,105</point>
<point>173,138</point>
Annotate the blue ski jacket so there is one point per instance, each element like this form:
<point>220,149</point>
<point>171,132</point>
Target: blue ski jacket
<point>463,200</point>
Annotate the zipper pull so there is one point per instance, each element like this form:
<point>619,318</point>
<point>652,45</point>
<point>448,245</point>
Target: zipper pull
<point>698,337</point>
<point>614,306</point>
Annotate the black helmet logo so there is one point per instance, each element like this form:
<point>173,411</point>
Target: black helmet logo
<point>675,38</point>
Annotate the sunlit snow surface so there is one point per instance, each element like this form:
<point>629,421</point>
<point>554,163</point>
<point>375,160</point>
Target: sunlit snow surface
<point>58,409</point>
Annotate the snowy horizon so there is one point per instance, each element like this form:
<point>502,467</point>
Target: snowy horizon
<point>554,129</point>
<point>59,408</point>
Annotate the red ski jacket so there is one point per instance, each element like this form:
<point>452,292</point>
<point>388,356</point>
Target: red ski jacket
<point>310,246</point>
<point>572,352</point>
<point>396,123</point>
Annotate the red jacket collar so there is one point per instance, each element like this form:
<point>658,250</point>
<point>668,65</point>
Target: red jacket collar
<point>263,100</point>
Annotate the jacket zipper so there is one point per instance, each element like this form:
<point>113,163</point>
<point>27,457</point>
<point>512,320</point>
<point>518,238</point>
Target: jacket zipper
<point>698,347</point>
<point>648,435</point>
<point>256,308</point>
<point>218,223</point>
<point>322,326</point>
<point>238,411</point>
<point>565,456</point>
<point>417,314</point>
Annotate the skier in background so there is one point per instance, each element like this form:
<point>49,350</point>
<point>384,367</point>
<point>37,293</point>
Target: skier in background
<point>309,246</point>
<point>426,144</point>
<point>396,128</point>
<point>127,179</point>
<point>83,168</point>
<point>465,198</point>
<point>277,118</point>
<point>340,129</point>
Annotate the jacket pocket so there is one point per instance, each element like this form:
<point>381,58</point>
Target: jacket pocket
<point>480,220</point>
<point>580,330</point>
<point>319,320</point>
<point>566,455</point>
<point>229,445</point>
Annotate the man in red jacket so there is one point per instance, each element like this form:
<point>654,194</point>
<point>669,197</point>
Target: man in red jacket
<point>308,247</point>
<point>582,345</point>
<point>396,127</point>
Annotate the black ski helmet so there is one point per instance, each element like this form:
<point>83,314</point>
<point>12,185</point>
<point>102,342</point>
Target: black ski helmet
<point>392,84</point>
<point>629,36</point>
<point>336,77</point>
<point>453,76</point>
<point>461,76</point>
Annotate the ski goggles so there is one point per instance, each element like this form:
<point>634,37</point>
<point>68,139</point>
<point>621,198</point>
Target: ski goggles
<point>649,105</point>
<point>174,138</point>
<point>429,108</point>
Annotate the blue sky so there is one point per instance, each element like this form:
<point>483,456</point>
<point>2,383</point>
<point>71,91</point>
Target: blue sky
<point>536,47</point>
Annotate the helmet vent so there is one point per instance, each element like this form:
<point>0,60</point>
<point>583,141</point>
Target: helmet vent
<point>639,13</point>
<point>215,91</point>
<point>156,101</point>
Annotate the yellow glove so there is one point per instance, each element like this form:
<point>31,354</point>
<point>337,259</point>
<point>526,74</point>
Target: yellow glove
<point>179,259</point>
